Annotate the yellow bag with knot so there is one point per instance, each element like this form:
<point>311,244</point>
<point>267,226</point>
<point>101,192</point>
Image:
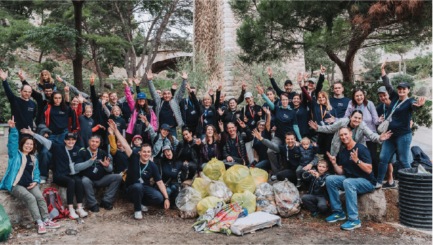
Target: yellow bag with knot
<point>239,179</point>
<point>246,200</point>
<point>259,175</point>
<point>206,203</point>
<point>200,184</point>
<point>214,169</point>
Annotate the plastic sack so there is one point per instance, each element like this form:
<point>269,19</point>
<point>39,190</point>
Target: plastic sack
<point>200,184</point>
<point>214,169</point>
<point>253,222</point>
<point>5,225</point>
<point>265,199</point>
<point>287,198</point>
<point>187,201</point>
<point>259,175</point>
<point>246,200</point>
<point>207,203</point>
<point>220,190</point>
<point>239,179</point>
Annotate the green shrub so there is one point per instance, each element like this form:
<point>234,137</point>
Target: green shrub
<point>48,65</point>
<point>402,78</point>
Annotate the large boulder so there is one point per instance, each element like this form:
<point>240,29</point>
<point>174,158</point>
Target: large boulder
<point>423,91</point>
<point>371,206</point>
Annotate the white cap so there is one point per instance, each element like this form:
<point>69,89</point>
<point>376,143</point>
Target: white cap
<point>248,95</point>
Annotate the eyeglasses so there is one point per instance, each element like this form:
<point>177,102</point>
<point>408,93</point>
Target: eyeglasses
<point>261,125</point>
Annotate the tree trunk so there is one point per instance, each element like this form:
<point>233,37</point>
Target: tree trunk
<point>40,56</point>
<point>98,68</point>
<point>399,66</point>
<point>404,65</point>
<point>77,62</point>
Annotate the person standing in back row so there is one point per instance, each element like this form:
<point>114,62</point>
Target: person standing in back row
<point>338,101</point>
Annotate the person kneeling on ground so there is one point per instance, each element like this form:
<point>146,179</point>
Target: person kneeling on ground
<point>22,178</point>
<point>140,172</point>
<point>98,175</point>
<point>234,152</point>
<point>354,176</point>
<point>317,197</point>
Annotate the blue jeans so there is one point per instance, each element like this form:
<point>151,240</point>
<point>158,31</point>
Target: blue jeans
<point>173,132</point>
<point>59,138</point>
<point>265,165</point>
<point>44,158</point>
<point>395,144</point>
<point>352,187</point>
<point>171,189</point>
<point>139,193</point>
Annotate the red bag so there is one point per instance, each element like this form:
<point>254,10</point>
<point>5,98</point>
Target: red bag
<point>54,204</point>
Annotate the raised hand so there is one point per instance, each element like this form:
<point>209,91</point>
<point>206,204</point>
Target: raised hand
<point>125,84</point>
<point>106,161</point>
<point>220,85</point>
<point>270,72</point>
<point>27,131</point>
<point>21,75</point>
<point>322,69</point>
<point>330,120</point>
<point>242,124</point>
<point>103,101</point>
<point>110,131</point>
<point>313,125</point>
<point>188,87</point>
<point>267,111</point>
<point>80,98</point>
<point>136,81</point>
<point>130,79</point>
<point>174,86</point>
<point>259,90</point>
<point>305,76</point>
<point>112,125</point>
<point>92,79</point>
<point>94,156</point>
<point>3,75</point>
<point>332,158</point>
<point>299,79</point>
<point>244,86</point>
<point>221,125</point>
<point>149,75</point>
<point>385,135</point>
<point>58,78</point>
<point>100,126</point>
<point>314,144</point>
<point>383,65</point>
<point>12,123</point>
<point>184,75</point>
<point>221,112</point>
<point>210,92</point>
<point>354,155</point>
<point>420,101</point>
<point>257,134</point>
<point>67,88</point>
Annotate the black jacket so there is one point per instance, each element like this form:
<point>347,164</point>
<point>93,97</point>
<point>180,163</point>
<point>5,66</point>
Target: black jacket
<point>317,185</point>
<point>242,139</point>
<point>201,110</point>
<point>194,151</point>
<point>181,176</point>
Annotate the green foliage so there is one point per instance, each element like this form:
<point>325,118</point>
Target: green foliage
<point>48,64</point>
<point>370,58</point>
<point>5,109</point>
<point>421,65</point>
<point>402,78</point>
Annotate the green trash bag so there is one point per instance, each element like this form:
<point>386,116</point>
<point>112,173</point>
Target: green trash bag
<point>239,179</point>
<point>246,200</point>
<point>5,225</point>
<point>214,169</point>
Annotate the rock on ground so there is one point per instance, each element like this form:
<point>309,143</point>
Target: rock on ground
<point>371,206</point>
<point>423,91</point>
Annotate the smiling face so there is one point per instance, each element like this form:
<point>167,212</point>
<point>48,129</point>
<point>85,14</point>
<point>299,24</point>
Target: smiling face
<point>113,98</point>
<point>250,101</point>
<point>321,99</point>
<point>231,128</point>
<point>88,112</point>
<point>384,97</point>
<point>288,87</point>
<point>261,126</point>
<point>145,153</point>
<point>46,76</point>
<point>57,99</point>
<point>290,140</point>
<point>164,133</point>
<point>355,119</point>
<point>284,100</point>
<point>94,143</point>
<point>168,154</point>
<point>48,92</point>
<point>138,141</point>
<point>322,168</point>
<point>338,89</point>
<point>104,96</point>
<point>75,102</point>
<point>233,105</point>
<point>159,92</point>
<point>117,112</point>
<point>359,97</point>
<point>166,95</point>
<point>26,92</point>
<point>270,95</point>
<point>209,131</point>
<point>28,146</point>
<point>345,136</point>
<point>119,144</point>
<point>296,100</point>
<point>207,102</point>
<point>70,142</point>
<point>311,85</point>
<point>187,135</point>
<point>402,92</point>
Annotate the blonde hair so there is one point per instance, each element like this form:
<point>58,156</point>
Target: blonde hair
<point>305,140</point>
<point>114,108</point>
<point>41,80</point>
<point>328,104</point>
<point>323,161</point>
<point>88,107</point>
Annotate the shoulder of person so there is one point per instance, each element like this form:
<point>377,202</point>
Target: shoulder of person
<point>361,147</point>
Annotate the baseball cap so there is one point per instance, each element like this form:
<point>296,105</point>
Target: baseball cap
<point>403,85</point>
<point>141,96</point>
<point>165,126</point>
<point>70,135</point>
<point>248,95</point>
<point>382,90</point>
<point>287,82</point>
<point>312,80</point>
<point>137,136</point>
<point>166,147</point>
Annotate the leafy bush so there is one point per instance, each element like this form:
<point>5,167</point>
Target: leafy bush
<point>48,65</point>
<point>402,78</point>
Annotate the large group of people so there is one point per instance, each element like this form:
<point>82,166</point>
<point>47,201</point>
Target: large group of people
<point>328,143</point>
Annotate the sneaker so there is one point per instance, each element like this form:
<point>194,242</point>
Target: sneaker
<point>387,185</point>
<point>138,215</point>
<point>81,212</point>
<point>298,183</point>
<point>106,205</point>
<point>336,216</point>
<point>50,224</point>
<point>144,208</point>
<point>43,181</point>
<point>378,186</point>
<point>72,214</point>
<point>351,224</point>
<point>314,214</point>
<point>94,209</point>
<point>41,228</point>
<point>273,177</point>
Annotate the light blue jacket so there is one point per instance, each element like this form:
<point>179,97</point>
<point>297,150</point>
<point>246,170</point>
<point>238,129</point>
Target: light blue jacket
<point>17,163</point>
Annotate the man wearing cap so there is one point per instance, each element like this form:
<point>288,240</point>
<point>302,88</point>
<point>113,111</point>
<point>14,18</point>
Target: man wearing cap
<point>339,102</point>
<point>310,83</point>
<point>98,174</point>
<point>401,107</point>
<point>288,86</point>
<point>167,110</point>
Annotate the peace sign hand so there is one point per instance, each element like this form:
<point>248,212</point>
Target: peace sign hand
<point>270,72</point>
<point>333,159</point>
<point>354,155</point>
<point>242,124</point>
<point>21,75</point>
<point>136,81</point>
<point>12,123</point>
<point>124,83</point>
<point>58,78</point>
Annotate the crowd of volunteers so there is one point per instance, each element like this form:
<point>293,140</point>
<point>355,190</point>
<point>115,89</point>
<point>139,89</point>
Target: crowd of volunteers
<point>130,141</point>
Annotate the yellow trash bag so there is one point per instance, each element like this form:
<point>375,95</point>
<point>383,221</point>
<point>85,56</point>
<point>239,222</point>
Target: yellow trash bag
<point>206,203</point>
<point>239,179</point>
<point>214,169</point>
<point>246,200</point>
<point>259,175</point>
<point>200,184</point>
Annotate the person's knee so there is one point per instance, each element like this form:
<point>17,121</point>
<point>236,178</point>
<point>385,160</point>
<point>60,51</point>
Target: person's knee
<point>86,182</point>
<point>305,198</point>
<point>116,178</point>
<point>136,188</point>
<point>28,197</point>
<point>78,182</point>
<point>348,185</point>
<point>323,208</point>
<point>159,198</point>
<point>330,180</point>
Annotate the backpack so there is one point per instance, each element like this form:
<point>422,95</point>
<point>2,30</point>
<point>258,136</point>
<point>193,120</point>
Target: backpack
<point>54,204</point>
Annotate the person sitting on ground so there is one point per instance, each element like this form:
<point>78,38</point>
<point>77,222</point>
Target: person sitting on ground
<point>316,199</point>
<point>140,172</point>
<point>137,141</point>
<point>164,137</point>
<point>234,152</point>
<point>98,175</point>
<point>187,151</point>
<point>354,176</point>
<point>212,145</point>
<point>66,169</point>
<point>308,152</point>
<point>120,159</point>
<point>22,178</point>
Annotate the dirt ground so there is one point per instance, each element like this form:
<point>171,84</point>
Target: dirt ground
<point>118,226</point>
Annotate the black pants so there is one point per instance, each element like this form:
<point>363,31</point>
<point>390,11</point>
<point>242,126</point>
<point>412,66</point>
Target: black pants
<point>324,141</point>
<point>372,147</point>
<point>192,169</point>
<point>289,174</point>
<point>73,185</point>
<point>315,203</point>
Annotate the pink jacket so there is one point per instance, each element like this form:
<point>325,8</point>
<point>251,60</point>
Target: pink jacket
<point>131,103</point>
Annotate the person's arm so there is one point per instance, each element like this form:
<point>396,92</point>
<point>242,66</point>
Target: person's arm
<point>275,87</point>
<point>149,129</point>
<point>373,112</point>
<point>41,139</point>
<point>248,135</point>
<point>307,95</point>
<point>364,164</point>
<point>93,97</point>
<point>269,102</point>
<point>113,145</point>
<point>13,142</point>
<point>83,164</point>
<point>349,110</point>
<point>385,79</point>
<point>418,105</point>
<point>72,115</point>
<point>129,99</point>
<point>315,161</point>
<point>296,129</point>
<point>137,89</point>
<point>270,145</point>
<point>332,128</point>
<point>179,95</point>
<point>307,176</point>
<point>182,175</point>
<point>119,137</point>
<point>163,190</point>
<point>108,168</point>
<point>195,102</point>
<point>8,91</point>
<point>241,97</point>
<point>319,85</point>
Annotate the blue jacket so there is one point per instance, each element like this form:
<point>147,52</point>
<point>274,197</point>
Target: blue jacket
<point>16,163</point>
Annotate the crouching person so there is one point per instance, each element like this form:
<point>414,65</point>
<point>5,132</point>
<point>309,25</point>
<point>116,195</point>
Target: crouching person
<point>317,197</point>
<point>234,151</point>
<point>140,172</point>
<point>354,176</point>
<point>22,178</point>
<point>98,175</point>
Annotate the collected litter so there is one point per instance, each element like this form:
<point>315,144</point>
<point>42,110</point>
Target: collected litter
<point>207,203</point>
<point>259,175</point>
<point>220,190</point>
<point>265,199</point>
<point>214,169</point>
<point>247,200</point>
<point>224,219</point>
<point>239,179</point>
<point>207,216</point>
<point>187,201</point>
<point>253,222</point>
<point>200,184</point>
<point>287,198</point>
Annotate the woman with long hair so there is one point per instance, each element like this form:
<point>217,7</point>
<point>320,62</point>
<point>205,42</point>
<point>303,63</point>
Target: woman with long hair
<point>45,78</point>
<point>212,144</point>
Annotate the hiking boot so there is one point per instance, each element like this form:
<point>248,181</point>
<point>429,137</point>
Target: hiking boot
<point>298,183</point>
<point>144,208</point>
<point>106,205</point>
<point>50,224</point>
<point>387,185</point>
<point>351,224</point>
<point>138,215</point>
<point>81,212</point>
<point>314,214</point>
<point>72,214</point>
<point>336,216</point>
<point>41,228</point>
<point>94,209</point>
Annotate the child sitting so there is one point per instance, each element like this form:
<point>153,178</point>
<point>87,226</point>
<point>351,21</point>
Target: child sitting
<point>307,152</point>
<point>45,78</point>
<point>137,140</point>
<point>317,197</point>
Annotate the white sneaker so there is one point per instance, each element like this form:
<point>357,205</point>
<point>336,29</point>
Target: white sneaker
<point>144,208</point>
<point>72,214</point>
<point>138,215</point>
<point>273,177</point>
<point>378,186</point>
<point>81,212</point>
<point>43,181</point>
